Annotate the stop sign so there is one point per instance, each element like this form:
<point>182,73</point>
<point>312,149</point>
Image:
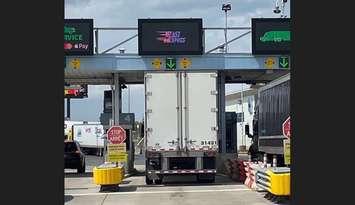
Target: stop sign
<point>116,135</point>
<point>286,128</point>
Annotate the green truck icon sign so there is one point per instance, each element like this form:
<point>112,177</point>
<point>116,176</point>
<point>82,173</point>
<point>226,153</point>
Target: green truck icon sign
<point>276,36</point>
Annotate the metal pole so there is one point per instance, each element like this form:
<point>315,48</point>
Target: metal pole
<point>68,108</point>
<point>236,38</point>
<point>274,161</point>
<point>221,111</point>
<point>242,123</point>
<point>116,100</point>
<point>115,46</point>
<point>283,10</point>
<point>96,41</point>
<point>129,98</point>
<point>225,33</point>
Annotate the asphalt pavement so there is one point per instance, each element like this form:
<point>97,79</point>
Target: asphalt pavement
<point>80,190</point>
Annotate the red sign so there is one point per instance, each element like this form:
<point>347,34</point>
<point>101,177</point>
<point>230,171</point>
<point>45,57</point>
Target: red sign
<point>286,128</point>
<point>116,135</point>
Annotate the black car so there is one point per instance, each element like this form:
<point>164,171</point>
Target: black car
<point>74,158</point>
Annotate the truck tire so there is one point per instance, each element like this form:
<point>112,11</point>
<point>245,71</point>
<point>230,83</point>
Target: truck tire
<point>205,178</point>
<point>148,181</point>
<point>212,180</point>
<point>159,181</point>
<point>81,169</point>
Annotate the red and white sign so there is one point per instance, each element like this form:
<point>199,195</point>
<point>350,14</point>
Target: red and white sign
<point>286,128</point>
<point>116,135</point>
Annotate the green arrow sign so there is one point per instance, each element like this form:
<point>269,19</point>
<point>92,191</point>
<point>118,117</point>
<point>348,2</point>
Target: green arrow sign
<point>170,63</point>
<point>284,62</point>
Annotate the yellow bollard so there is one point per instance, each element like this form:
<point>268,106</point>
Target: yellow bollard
<point>108,176</point>
<point>280,183</point>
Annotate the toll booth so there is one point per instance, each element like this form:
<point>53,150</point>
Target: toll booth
<point>228,144</point>
<point>126,121</point>
<point>231,132</point>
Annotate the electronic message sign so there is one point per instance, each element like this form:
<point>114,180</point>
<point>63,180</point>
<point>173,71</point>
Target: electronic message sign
<point>271,36</point>
<point>170,37</point>
<point>78,37</point>
<point>76,91</point>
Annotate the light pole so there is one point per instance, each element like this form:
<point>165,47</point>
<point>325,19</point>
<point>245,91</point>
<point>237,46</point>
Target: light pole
<point>129,99</point>
<point>225,8</point>
<point>277,8</point>
<point>122,51</point>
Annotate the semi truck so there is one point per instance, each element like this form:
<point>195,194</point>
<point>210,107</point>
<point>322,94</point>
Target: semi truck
<point>68,127</point>
<point>90,137</point>
<point>271,111</point>
<point>180,125</point>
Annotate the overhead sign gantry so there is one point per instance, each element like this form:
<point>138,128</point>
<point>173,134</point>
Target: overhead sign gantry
<point>178,44</point>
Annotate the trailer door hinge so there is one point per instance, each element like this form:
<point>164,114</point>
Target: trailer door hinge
<point>149,129</point>
<point>214,128</point>
<point>214,109</point>
<point>148,94</point>
<point>214,75</point>
<point>214,92</point>
<point>149,110</point>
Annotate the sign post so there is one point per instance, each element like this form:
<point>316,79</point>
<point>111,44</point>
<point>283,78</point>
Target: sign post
<point>117,152</point>
<point>287,151</point>
<point>286,130</point>
<point>116,135</point>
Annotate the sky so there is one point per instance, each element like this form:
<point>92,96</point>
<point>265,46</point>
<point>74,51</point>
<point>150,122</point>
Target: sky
<point>124,13</point>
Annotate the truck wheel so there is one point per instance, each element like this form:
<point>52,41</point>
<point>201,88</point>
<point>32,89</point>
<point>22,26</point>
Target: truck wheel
<point>206,178</point>
<point>81,169</point>
<point>148,181</point>
<point>211,180</point>
<point>159,181</point>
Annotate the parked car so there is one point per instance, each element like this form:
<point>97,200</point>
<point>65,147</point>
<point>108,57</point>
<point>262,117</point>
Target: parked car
<point>74,158</point>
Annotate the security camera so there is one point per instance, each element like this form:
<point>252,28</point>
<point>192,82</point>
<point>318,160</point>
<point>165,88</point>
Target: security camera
<point>226,7</point>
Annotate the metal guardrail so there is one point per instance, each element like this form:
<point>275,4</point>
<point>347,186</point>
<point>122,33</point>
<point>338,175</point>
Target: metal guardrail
<point>97,29</point>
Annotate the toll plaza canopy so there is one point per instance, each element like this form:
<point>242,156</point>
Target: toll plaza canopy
<point>237,68</point>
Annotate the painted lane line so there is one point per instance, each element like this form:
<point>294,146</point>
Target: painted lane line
<point>160,192</point>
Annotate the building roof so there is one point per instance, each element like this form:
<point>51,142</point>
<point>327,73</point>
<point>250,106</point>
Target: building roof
<point>237,95</point>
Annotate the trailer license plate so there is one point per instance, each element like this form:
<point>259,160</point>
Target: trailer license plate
<point>208,142</point>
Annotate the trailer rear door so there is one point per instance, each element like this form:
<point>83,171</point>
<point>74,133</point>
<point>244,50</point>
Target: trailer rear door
<point>200,110</point>
<point>161,111</point>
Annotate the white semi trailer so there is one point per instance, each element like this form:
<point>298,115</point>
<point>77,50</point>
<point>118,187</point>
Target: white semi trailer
<point>180,125</point>
<point>90,137</point>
